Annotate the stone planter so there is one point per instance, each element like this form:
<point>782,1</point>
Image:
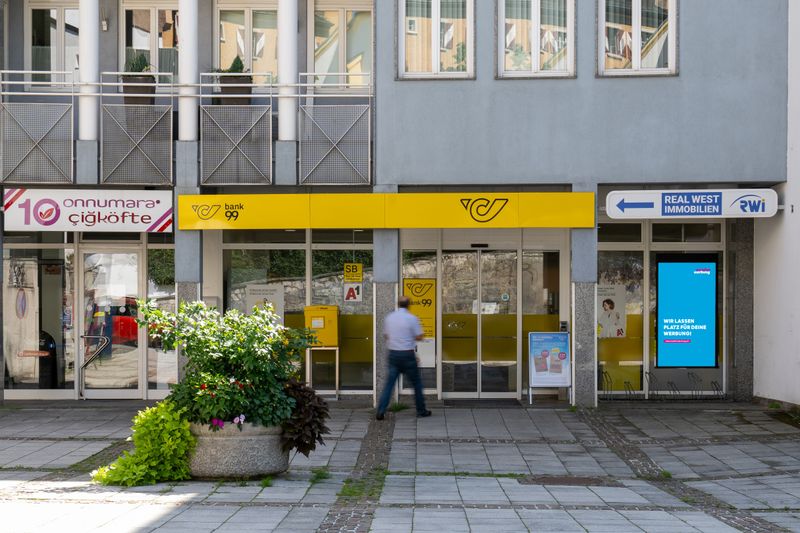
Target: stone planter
<point>230,453</point>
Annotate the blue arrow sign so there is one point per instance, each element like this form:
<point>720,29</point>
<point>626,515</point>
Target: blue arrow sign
<point>622,205</point>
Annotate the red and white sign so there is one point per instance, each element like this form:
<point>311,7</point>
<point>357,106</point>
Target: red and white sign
<point>87,210</point>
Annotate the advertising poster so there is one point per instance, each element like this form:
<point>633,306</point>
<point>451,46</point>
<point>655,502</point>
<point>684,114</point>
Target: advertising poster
<point>549,360</point>
<point>611,311</point>
<point>422,293</point>
<point>259,294</point>
<point>687,314</point>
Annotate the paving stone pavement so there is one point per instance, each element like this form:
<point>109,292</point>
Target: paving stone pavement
<point>650,467</point>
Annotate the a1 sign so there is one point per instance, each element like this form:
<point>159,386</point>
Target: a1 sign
<point>702,203</point>
<point>353,272</point>
<point>352,292</point>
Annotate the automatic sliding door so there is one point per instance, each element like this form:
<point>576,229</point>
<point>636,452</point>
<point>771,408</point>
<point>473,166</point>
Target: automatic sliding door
<point>460,322</point>
<point>498,316</point>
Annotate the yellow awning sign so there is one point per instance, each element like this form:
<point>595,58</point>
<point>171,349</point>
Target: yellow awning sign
<point>381,210</point>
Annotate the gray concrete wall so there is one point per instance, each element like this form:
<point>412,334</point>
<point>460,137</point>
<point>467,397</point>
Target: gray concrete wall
<point>722,118</point>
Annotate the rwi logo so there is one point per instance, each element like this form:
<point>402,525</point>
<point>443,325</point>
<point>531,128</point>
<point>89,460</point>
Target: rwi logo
<point>482,209</point>
<point>751,203</point>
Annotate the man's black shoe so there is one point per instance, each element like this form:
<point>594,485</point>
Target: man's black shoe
<point>424,414</point>
<point>379,416</point>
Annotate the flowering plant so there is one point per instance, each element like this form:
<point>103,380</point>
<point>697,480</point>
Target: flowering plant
<point>237,365</point>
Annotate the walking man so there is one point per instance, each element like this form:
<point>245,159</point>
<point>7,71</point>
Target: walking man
<point>402,330</point>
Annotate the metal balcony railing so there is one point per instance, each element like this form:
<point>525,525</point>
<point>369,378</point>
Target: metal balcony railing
<point>36,136</point>
<point>236,129</point>
<point>335,130</point>
<point>136,128</point>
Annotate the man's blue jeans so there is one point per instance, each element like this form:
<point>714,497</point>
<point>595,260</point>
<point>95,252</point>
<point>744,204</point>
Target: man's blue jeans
<point>402,362</point>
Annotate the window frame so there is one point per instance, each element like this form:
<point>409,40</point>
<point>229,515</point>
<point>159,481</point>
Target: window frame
<point>60,7</point>
<point>636,23</point>
<point>154,8</point>
<point>535,71</point>
<point>342,7</point>
<point>247,8</point>
<point>435,45</point>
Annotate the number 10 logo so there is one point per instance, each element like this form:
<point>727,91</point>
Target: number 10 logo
<point>46,211</point>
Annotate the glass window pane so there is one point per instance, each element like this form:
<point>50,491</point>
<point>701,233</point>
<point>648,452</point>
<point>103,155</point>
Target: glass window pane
<point>231,37</point>
<point>327,31</point>
<point>265,45</point>
<point>702,232</point>
<point>44,39</point>
<point>264,236</point>
<point>619,233</point>
<point>553,36</point>
<point>453,36</point>
<point>619,34</point>
<point>498,321</point>
<point>655,33</point>
<point>137,34</point>
<point>459,280</point>
<point>359,46</point>
<point>71,26</point>
<point>38,319</point>
<point>421,264</point>
<point>518,54</point>
<point>341,236</point>
<point>667,232</point>
<point>620,325</point>
<point>417,35</point>
<point>168,42</point>
<point>162,365</point>
<point>540,298</point>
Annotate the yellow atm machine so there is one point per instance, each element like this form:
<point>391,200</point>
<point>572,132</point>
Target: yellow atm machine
<point>323,320</point>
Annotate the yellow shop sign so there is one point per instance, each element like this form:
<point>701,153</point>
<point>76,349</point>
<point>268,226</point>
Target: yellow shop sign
<point>380,210</point>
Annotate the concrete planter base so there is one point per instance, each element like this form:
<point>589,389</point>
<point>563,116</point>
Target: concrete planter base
<point>230,453</point>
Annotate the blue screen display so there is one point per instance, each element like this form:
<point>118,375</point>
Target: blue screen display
<point>687,314</point>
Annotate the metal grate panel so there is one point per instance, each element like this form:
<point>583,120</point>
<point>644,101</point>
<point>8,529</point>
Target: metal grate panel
<point>335,144</point>
<point>37,142</point>
<point>137,144</point>
<point>236,144</point>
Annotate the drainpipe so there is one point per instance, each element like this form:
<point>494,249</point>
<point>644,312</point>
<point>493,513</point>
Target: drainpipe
<point>89,69</point>
<point>287,69</point>
<point>188,69</point>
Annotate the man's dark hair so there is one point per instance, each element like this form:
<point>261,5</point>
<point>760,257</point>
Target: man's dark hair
<point>403,302</point>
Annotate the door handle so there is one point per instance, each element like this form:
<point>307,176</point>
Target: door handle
<point>104,342</point>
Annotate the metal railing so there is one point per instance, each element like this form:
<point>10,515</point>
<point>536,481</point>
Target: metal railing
<point>36,137</point>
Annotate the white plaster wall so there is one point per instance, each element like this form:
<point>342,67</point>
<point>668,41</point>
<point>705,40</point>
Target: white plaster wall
<point>777,262</point>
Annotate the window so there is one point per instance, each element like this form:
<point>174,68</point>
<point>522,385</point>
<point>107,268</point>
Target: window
<point>342,43</point>
<point>637,37</point>
<point>153,32</point>
<point>425,53</point>
<point>543,25</point>
<point>251,34</point>
<point>53,40</point>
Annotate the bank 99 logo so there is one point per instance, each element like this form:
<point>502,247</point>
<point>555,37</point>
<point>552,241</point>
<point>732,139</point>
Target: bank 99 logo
<point>421,293</point>
<point>483,210</point>
<point>45,212</point>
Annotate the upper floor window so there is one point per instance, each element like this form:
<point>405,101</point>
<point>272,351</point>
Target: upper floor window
<point>342,42</point>
<point>250,33</point>
<point>52,37</point>
<point>436,38</point>
<point>152,32</point>
<point>536,38</point>
<point>637,37</point>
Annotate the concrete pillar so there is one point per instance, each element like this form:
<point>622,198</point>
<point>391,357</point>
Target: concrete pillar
<point>2,329</point>
<point>188,69</point>
<point>584,321</point>
<point>386,272</point>
<point>287,69</point>
<point>89,70</point>
<point>740,311</point>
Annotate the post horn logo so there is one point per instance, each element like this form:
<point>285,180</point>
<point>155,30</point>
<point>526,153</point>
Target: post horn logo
<point>205,211</point>
<point>483,210</point>
<point>419,289</point>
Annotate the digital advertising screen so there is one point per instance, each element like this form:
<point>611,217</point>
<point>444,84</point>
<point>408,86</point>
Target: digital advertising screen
<point>686,312</point>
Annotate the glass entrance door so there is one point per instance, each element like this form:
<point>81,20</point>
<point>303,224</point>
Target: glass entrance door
<point>111,357</point>
<point>479,323</point>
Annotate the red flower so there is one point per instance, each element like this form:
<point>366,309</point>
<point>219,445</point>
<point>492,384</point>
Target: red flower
<point>203,386</point>
<point>213,395</point>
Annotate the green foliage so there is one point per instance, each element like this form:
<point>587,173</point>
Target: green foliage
<point>161,266</point>
<point>138,63</point>
<point>397,407</point>
<point>266,482</point>
<point>666,474</point>
<point>367,487</point>
<point>237,66</point>
<point>319,474</point>
<point>304,429</point>
<point>237,364</point>
<point>775,405</point>
<point>162,444</point>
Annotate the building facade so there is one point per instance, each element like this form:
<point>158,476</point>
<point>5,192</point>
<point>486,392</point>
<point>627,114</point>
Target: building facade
<point>459,151</point>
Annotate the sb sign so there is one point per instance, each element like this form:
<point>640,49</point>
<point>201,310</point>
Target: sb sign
<point>353,272</point>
